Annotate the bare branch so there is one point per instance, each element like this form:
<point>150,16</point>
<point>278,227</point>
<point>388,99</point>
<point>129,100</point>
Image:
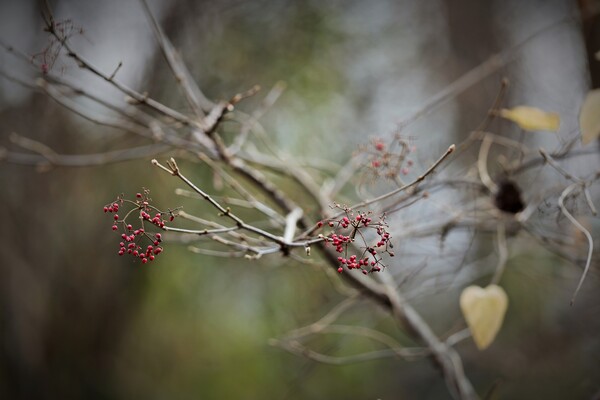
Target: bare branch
<point>81,160</point>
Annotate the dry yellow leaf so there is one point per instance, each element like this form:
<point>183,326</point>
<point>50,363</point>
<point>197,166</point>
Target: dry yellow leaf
<point>484,310</point>
<point>532,119</point>
<point>589,117</point>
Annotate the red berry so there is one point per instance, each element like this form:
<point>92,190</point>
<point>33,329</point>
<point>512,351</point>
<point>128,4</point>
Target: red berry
<point>114,228</point>
<point>171,218</point>
<point>105,209</point>
<point>158,236</point>
<point>144,260</point>
<point>129,227</point>
<point>151,258</point>
<point>340,270</point>
<point>138,195</point>
<point>116,217</point>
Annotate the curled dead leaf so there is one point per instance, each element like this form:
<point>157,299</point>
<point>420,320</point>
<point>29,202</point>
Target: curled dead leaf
<point>532,119</point>
<point>589,117</point>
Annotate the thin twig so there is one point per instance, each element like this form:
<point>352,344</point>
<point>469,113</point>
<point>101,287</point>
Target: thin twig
<point>477,74</point>
<point>235,185</point>
<point>587,234</point>
<point>419,179</point>
<point>502,253</point>
<point>482,160</point>
<point>284,244</point>
<point>252,120</point>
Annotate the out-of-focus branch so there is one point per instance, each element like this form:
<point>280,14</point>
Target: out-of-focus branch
<point>477,74</point>
<point>502,253</point>
<point>577,224</point>
<point>196,99</point>
<point>235,185</point>
<point>482,161</point>
<point>443,355</point>
<point>51,158</point>
<point>251,121</point>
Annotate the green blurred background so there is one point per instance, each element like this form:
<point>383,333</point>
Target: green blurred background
<point>77,321</point>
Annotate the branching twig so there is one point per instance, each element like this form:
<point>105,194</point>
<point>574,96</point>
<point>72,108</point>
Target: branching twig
<point>419,179</point>
<point>285,244</point>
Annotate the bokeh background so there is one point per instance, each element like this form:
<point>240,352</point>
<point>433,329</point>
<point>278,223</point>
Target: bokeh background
<point>77,321</point>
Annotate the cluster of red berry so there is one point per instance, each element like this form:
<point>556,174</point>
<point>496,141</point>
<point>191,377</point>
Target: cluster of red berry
<point>132,239</point>
<point>131,247</point>
<point>389,160</point>
<point>51,53</point>
<point>354,224</point>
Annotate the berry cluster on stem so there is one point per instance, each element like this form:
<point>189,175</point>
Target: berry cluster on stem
<point>353,226</point>
<point>137,241</point>
<point>391,159</point>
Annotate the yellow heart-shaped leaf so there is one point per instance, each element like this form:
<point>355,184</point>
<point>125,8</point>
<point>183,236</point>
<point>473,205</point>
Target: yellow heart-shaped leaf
<point>532,119</point>
<point>589,117</point>
<point>484,309</point>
